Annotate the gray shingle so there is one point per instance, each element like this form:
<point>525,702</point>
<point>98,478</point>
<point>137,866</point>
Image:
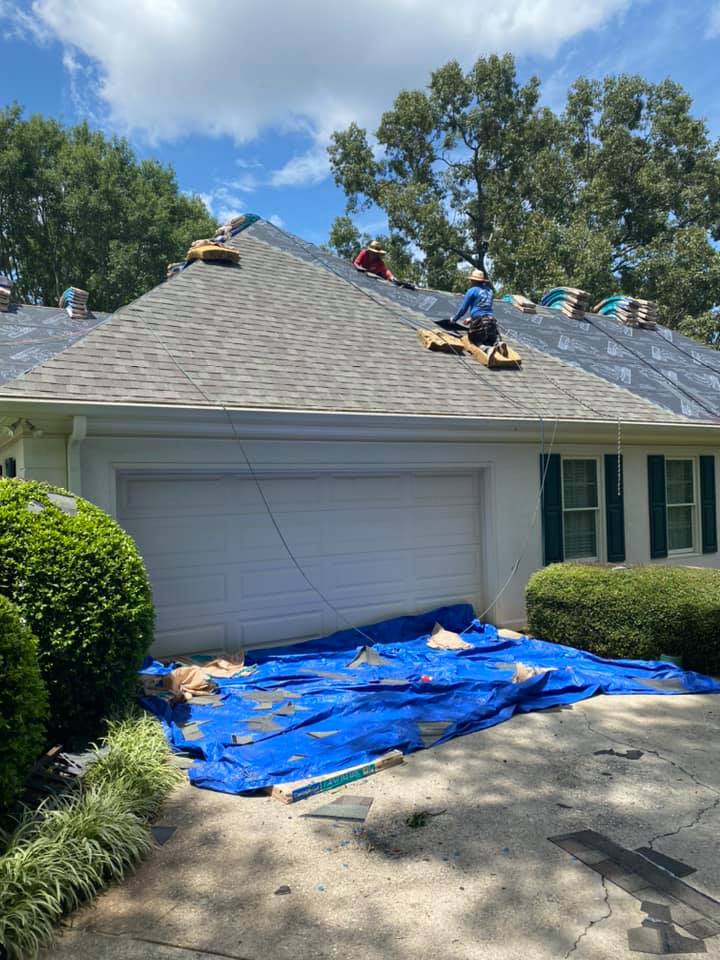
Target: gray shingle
<point>277,331</point>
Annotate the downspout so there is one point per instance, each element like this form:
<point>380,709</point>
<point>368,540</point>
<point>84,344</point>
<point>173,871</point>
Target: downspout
<point>74,473</point>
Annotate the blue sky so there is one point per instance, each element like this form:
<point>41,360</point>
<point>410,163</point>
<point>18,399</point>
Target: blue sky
<point>241,96</point>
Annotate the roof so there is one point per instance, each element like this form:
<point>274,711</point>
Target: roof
<point>31,335</point>
<point>292,327</point>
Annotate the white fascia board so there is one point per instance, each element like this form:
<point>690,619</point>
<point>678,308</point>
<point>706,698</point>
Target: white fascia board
<point>106,419</point>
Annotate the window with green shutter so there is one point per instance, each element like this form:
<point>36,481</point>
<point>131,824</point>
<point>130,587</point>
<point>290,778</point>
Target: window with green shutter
<point>680,505</point>
<point>581,508</point>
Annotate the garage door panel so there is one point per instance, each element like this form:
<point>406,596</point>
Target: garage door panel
<point>196,589</point>
<point>449,488</point>
<point>360,492</point>
<point>376,546</point>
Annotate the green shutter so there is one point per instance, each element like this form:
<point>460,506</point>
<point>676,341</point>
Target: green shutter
<point>614,509</point>
<point>552,518</point>
<point>657,505</point>
<point>708,513</point>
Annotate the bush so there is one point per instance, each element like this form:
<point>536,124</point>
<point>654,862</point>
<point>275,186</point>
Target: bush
<point>634,612</point>
<point>23,703</point>
<point>62,855</point>
<point>81,587</point>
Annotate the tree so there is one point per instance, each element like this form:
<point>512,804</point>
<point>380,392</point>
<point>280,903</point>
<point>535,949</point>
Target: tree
<point>618,193</point>
<point>460,164</point>
<point>77,208</point>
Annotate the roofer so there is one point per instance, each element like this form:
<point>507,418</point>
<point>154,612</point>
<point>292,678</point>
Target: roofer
<point>370,259</point>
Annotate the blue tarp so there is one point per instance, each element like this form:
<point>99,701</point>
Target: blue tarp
<point>308,713</point>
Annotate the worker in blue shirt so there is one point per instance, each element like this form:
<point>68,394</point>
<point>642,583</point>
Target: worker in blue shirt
<point>481,326</point>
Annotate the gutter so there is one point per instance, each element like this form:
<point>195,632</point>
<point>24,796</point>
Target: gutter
<point>74,472</point>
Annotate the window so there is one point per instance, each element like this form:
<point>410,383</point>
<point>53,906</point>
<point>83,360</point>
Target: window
<point>680,498</point>
<point>580,509</point>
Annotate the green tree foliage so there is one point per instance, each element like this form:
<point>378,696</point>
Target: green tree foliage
<point>81,587</point>
<point>23,703</point>
<point>77,208</point>
<point>619,192</point>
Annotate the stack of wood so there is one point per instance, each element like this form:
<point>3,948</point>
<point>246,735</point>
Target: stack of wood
<point>522,303</point>
<point>74,301</point>
<point>571,301</point>
<point>629,311</point>
<point>5,288</point>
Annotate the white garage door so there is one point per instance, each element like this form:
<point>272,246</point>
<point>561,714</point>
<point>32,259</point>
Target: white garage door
<point>377,546</point>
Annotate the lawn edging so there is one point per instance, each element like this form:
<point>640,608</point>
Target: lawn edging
<point>64,853</point>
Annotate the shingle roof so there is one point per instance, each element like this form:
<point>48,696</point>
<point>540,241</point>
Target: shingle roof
<point>282,330</point>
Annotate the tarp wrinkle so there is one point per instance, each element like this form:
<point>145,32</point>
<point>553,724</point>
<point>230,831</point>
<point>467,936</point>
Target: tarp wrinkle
<point>403,695</point>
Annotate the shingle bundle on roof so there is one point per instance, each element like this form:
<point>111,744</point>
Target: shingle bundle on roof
<point>74,300</point>
<point>572,302</point>
<point>173,268</point>
<point>5,288</point>
<point>234,226</point>
<point>209,250</point>
<point>629,310</point>
<point>522,303</point>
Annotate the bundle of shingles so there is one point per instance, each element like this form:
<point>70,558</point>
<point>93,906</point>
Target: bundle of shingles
<point>5,288</point>
<point>74,302</point>
<point>234,226</point>
<point>211,250</point>
<point>572,302</point>
<point>630,311</point>
<point>173,268</point>
<point>522,303</point>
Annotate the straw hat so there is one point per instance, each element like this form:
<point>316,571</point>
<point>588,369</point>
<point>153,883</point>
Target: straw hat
<point>376,247</point>
<point>477,275</point>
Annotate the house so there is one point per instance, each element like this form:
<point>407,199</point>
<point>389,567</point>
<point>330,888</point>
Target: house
<point>238,414</point>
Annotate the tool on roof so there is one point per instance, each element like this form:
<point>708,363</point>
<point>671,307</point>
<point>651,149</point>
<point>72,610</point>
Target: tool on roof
<point>572,302</point>
<point>629,310</point>
<point>209,250</point>
<point>498,356</point>
<point>74,301</point>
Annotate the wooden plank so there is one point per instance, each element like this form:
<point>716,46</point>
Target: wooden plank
<point>439,342</point>
<point>301,789</point>
<point>511,359</point>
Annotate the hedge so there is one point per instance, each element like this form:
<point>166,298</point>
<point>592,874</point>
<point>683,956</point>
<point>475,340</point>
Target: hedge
<point>23,704</point>
<point>62,855</point>
<point>631,612</point>
<point>81,587</point>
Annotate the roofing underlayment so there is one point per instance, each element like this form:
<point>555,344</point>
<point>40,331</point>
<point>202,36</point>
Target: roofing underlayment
<point>30,335</point>
<point>293,327</point>
<point>325,705</point>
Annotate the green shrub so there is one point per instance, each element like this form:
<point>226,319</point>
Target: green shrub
<point>23,703</point>
<point>62,855</point>
<point>82,589</point>
<point>634,612</point>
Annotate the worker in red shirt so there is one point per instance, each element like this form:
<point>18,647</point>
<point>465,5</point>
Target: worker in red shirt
<point>371,261</point>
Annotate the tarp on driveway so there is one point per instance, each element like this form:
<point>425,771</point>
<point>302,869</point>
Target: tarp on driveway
<point>305,712</point>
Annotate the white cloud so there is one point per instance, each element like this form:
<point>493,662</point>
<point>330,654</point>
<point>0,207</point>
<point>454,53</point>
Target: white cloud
<point>18,24</point>
<point>167,68</point>
<point>277,220</point>
<point>305,168</point>
<point>713,26</point>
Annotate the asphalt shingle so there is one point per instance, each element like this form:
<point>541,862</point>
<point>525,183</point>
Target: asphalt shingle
<point>279,331</point>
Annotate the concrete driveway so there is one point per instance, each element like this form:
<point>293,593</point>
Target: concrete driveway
<point>479,880</point>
